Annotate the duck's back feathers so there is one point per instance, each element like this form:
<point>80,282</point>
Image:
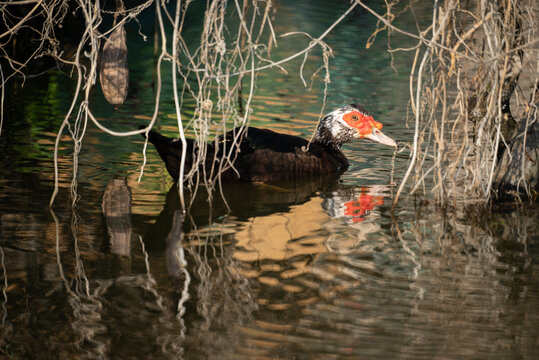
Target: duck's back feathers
<point>279,156</point>
<point>264,155</point>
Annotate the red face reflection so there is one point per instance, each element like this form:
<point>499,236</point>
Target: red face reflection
<point>360,208</point>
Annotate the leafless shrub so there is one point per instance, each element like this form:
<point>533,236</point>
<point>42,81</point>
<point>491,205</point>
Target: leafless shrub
<point>472,70</point>
<point>467,66</point>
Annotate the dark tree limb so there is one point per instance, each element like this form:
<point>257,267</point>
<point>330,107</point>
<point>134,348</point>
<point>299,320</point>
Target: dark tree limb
<point>517,173</point>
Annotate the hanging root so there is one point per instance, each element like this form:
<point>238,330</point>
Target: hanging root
<point>474,68</point>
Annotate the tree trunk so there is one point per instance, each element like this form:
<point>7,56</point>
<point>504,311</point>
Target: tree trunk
<point>517,173</point>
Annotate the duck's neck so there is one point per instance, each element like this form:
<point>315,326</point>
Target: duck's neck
<point>324,141</point>
<point>327,139</point>
<point>324,137</point>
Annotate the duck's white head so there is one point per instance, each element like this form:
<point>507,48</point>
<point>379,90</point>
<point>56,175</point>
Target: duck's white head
<point>348,123</point>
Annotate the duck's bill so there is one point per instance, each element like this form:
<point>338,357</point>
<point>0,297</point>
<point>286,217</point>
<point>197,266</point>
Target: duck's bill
<point>379,136</point>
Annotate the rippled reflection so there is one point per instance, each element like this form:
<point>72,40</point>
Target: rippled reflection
<point>117,211</point>
<point>307,269</point>
<point>259,258</point>
<point>310,279</point>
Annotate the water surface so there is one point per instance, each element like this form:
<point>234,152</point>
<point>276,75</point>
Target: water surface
<point>310,269</point>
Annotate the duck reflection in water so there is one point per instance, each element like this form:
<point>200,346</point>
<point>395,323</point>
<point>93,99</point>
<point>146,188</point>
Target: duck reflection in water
<point>241,201</point>
<point>274,215</point>
<point>245,201</point>
<point>206,257</point>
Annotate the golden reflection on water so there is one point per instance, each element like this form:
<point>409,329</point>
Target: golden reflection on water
<point>283,235</point>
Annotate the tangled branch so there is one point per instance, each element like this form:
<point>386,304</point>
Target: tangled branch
<point>461,95</point>
<point>212,74</point>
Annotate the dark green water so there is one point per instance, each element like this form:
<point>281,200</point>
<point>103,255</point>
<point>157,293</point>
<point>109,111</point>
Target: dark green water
<point>313,269</point>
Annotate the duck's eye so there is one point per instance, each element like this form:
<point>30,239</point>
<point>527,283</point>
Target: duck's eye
<point>355,118</point>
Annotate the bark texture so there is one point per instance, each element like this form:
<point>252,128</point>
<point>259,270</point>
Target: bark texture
<point>517,173</point>
<point>114,75</point>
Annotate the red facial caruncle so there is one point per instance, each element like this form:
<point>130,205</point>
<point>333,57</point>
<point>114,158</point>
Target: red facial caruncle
<point>363,123</point>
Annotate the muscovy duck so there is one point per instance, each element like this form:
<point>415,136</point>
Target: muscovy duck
<point>265,155</point>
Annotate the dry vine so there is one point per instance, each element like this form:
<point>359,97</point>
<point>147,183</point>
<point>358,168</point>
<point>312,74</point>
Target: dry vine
<point>212,74</point>
<point>466,68</point>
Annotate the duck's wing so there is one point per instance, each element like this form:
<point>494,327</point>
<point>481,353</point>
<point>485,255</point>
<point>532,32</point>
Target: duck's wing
<point>263,155</point>
<point>266,155</point>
